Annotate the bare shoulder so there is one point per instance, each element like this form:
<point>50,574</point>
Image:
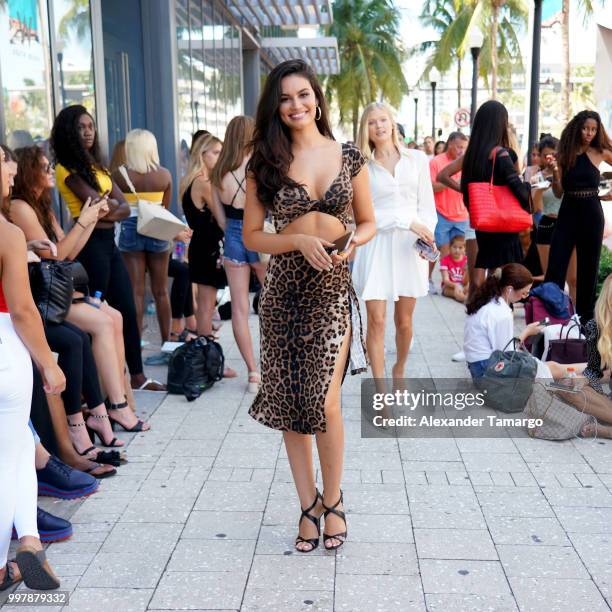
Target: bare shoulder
<point>11,237</point>
<point>22,209</point>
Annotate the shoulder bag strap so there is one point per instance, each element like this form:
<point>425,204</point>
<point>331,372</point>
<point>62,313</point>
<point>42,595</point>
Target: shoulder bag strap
<point>126,178</point>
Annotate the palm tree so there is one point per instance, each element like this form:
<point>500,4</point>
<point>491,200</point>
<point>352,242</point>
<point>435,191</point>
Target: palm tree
<point>450,19</point>
<point>371,55</point>
<point>586,8</point>
<point>498,20</point>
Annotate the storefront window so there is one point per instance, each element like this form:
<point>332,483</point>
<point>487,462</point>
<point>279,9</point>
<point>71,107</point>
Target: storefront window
<point>74,53</point>
<point>25,72</point>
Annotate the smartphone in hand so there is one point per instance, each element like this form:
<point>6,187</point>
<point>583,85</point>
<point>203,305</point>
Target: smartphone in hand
<point>426,250</point>
<point>342,244</point>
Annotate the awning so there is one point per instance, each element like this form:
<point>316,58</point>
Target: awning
<point>287,13</point>
<point>321,52</point>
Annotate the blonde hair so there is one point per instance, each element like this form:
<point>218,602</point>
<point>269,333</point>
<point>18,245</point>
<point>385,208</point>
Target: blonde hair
<point>363,139</point>
<point>237,145</point>
<point>196,160</point>
<point>603,318</point>
<point>118,156</point>
<point>141,154</point>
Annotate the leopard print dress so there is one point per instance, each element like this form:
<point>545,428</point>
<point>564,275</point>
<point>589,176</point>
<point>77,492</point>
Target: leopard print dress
<point>304,315</point>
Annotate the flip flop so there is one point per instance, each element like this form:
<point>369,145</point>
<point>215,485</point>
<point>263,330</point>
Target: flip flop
<point>151,381</point>
<point>35,569</point>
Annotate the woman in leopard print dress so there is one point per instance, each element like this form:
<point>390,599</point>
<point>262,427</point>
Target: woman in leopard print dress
<point>309,315</point>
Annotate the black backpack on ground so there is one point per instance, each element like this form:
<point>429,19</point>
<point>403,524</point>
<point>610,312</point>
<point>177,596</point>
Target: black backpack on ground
<point>194,367</point>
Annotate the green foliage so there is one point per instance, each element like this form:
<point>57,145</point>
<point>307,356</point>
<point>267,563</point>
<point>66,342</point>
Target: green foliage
<point>76,20</point>
<point>605,267</point>
<point>453,21</point>
<point>371,56</point>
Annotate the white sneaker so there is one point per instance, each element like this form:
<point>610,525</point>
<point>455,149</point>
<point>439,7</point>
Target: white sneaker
<point>432,288</point>
<point>460,356</point>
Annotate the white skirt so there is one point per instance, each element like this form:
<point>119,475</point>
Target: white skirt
<point>388,267</point>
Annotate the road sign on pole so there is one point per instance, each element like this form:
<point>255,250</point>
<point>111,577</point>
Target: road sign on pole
<point>462,117</point>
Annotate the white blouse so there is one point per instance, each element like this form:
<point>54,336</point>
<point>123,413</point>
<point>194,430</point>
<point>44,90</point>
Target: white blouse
<point>406,197</point>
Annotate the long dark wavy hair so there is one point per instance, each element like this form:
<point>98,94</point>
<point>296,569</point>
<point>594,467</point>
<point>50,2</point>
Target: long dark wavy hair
<point>5,204</point>
<point>28,177</point>
<point>512,275</point>
<point>68,150</point>
<point>571,139</point>
<point>272,156</point>
<point>489,130</point>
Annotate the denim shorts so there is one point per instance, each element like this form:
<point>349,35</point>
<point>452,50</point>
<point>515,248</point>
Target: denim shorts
<point>446,229</point>
<point>470,233</point>
<point>233,246</point>
<point>130,240</point>
<point>478,368</point>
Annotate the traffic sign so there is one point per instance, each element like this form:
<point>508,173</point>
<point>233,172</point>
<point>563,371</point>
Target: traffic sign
<point>462,117</point>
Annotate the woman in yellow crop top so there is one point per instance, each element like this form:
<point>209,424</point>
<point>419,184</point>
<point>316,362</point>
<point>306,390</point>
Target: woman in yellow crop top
<point>140,253</point>
<point>80,174</point>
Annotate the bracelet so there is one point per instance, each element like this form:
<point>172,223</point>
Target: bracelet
<point>79,223</point>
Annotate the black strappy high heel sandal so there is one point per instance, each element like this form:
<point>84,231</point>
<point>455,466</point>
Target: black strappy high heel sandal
<point>337,536</point>
<point>113,458</point>
<point>113,421</point>
<point>314,542</point>
<point>93,433</point>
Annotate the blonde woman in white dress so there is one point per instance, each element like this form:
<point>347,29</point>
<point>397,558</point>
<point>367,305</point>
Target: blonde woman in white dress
<point>388,268</point>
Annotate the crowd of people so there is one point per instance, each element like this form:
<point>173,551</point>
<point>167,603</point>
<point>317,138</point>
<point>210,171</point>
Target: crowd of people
<point>272,200</point>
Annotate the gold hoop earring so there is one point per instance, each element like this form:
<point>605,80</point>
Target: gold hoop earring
<point>319,110</point>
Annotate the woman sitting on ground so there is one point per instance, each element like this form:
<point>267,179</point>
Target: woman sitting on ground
<point>31,210</point>
<point>489,325</point>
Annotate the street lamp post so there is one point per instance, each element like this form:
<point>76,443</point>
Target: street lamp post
<point>434,77</point>
<point>534,97</point>
<point>475,42</point>
<point>416,115</point>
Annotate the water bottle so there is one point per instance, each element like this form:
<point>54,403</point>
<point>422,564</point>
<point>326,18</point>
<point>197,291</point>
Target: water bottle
<point>96,300</point>
<point>569,380</point>
<point>179,251</point>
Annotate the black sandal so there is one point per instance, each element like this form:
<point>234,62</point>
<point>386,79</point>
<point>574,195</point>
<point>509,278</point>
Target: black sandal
<point>35,569</point>
<point>9,576</point>
<point>114,458</point>
<point>314,542</point>
<point>104,474</point>
<point>340,513</point>
<point>93,433</point>
<point>113,421</point>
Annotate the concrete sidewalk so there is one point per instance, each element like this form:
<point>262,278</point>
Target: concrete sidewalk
<point>204,515</point>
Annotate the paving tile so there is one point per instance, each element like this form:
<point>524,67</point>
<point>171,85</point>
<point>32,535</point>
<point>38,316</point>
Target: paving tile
<point>199,591</point>
<point>380,528</point>
<point>585,520</point>
<point>128,537</point>
<point>537,594</point>
<point>532,531</point>
<point>287,601</point>
<point>473,544</point>
<point>376,593</point>
<point>232,496</point>
<point>463,576</point>
<point>456,516</point>
<point>207,555</point>
<point>292,572</point>
<point>470,603</point>
<point>374,558</point>
<point>174,510</point>
<point>95,599</point>
<point>134,570</point>
<point>541,562</point>
<point>214,524</point>
<point>593,497</point>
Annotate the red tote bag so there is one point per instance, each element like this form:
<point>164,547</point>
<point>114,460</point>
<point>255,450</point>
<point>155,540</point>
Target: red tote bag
<point>494,208</point>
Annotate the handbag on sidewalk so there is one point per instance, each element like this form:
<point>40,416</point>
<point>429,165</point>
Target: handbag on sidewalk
<point>508,379</point>
<point>571,349</point>
<point>560,419</point>
<point>494,208</point>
